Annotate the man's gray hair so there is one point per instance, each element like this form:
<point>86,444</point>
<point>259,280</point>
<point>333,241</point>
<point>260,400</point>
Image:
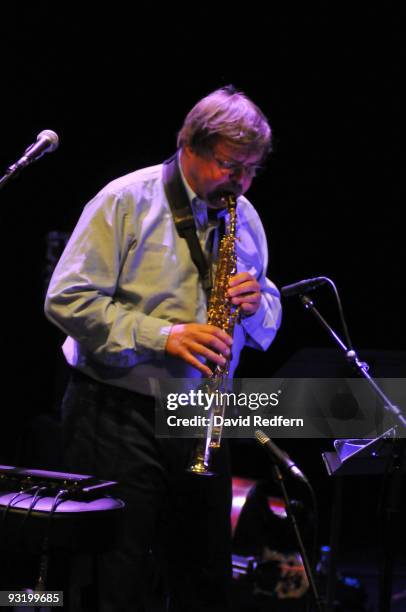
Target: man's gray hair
<point>229,115</point>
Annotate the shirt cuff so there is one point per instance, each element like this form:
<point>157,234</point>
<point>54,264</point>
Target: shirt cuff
<point>152,334</point>
<point>253,325</point>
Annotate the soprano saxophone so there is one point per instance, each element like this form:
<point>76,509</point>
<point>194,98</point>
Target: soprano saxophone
<point>223,314</point>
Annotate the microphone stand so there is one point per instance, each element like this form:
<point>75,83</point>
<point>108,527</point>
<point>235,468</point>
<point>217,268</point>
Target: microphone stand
<point>10,172</point>
<point>351,356</point>
<point>393,506</point>
<point>279,479</point>
<point>15,169</point>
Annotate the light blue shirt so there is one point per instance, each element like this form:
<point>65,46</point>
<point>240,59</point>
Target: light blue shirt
<point>126,277</point>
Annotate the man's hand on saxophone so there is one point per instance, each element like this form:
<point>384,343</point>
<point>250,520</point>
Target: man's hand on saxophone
<point>245,292</point>
<point>190,340</point>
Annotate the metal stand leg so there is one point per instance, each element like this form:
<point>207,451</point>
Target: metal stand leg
<point>291,515</point>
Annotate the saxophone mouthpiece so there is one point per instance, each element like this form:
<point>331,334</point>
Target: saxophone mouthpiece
<point>229,199</point>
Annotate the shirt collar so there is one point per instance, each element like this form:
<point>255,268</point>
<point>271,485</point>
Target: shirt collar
<point>190,193</point>
<point>199,207</point>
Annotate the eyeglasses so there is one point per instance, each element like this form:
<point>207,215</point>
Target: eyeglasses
<point>232,167</point>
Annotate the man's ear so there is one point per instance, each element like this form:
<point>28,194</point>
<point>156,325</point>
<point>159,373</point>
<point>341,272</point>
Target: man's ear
<point>188,151</point>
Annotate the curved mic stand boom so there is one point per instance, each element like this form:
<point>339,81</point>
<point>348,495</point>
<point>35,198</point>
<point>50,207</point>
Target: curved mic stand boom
<point>351,356</point>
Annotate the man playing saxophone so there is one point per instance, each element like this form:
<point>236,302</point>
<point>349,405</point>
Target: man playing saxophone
<point>129,295</point>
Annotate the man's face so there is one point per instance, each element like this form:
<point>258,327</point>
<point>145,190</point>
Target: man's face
<point>227,170</point>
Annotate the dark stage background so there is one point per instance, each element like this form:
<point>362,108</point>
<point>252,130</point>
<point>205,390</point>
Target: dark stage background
<point>116,86</point>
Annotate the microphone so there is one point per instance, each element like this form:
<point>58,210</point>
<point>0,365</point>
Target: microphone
<point>47,141</point>
<point>305,285</point>
<point>279,456</point>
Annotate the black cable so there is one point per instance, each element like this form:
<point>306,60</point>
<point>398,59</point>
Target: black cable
<point>44,558</point>
<point>31,506</point>
<point>7,508</point>
<point>316,526</point>
<point>58,499</point>
<point>20,539</point>
<point>315,548</point>
<point>340,312</point>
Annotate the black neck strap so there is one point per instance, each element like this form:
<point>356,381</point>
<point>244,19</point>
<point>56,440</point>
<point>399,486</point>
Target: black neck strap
<point>183,217</point>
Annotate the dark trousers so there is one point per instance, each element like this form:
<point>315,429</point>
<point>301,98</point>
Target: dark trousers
<point>179,521</point>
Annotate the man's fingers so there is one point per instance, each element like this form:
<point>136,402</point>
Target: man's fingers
<point>189,340</point>
<point>248,308</point>
<point>215,332</point>
<point>215,343</point>
<point>205,352</point>
<point>247,297</point>
<point>193,361</point>
<point>245,292</point>
<point>239,278</point>
<point>250,286</point>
